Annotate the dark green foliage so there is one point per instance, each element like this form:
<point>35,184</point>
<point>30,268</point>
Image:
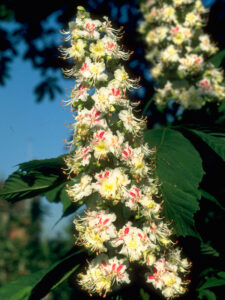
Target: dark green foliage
<point>209,282</point>
<point>218,59</point>
<point>206,294</point>
<point>179,169</point>
<point>216,142</point>
<point>206,249</point>
<point>144,295</point>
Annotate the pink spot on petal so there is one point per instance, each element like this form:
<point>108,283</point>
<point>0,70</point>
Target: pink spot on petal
<point>106,221</point>
<point>119,268</point>
<point>132,194</point>
<point>140,236</point>
<point>84,67</point>
<point>126,230</point>
<point>106,174</point>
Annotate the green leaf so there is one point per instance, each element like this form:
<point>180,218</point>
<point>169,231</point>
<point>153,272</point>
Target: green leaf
<point>6,14</point>
<point>221,109</point>
<point>209,197</point>
<point>179,169</point>
<point>33,178</point>
<point>20,288</point>
<point>60,194</point>
<point>208,294</point>
<point>216,143</point>
<point>40,177</point>
<point>52,165</point>
<point>221,274</point>
<point>41,282</point>
<point>144,295</point>
<point>54,194</point>
<point>66,200</point>
<point>212,282</point>
<point>65,276</point>
<point>21,186</point>
<point>218,58</point>
<point>207,249</point>
<point>118,297</point>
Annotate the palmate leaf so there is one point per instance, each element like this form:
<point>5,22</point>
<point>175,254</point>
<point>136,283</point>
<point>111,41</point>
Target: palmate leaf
<point>179,169</point>
<point>38,284</point>
<point>33,178</point>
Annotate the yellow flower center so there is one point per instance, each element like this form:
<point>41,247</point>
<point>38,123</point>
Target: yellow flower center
<point>172,51</point>
<point>97,238</point>
<point>151,204</point>
<point>139,164</point>
<point>124,76</point>
<point>170,281</point>
<point>133,244</point>
<point>178,39</point>
<point>95,69</point>
<point>101,147</point>
<point>98,48</point>
<point>108,186</point>
<point>103,283</point>
<point>190,18</point>
<point>102,98</point>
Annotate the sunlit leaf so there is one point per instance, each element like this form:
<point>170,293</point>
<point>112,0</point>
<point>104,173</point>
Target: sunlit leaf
<point>34,178</point>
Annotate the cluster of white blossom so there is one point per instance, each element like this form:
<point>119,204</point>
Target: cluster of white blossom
<point>179,52</point>
<point>114,167</point>
<point>102,272</point>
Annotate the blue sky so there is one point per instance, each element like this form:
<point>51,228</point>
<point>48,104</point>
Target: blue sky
<point>30,130</point>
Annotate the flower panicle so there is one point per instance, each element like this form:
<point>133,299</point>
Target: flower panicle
<point>177,45</point>
<point>110,166</point>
